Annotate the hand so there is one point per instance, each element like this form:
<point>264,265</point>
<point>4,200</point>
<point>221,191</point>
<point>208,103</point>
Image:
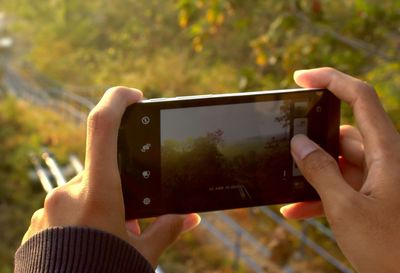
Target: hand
<point>352,167</point>
<point>361,197</point>
<point>94,198</point>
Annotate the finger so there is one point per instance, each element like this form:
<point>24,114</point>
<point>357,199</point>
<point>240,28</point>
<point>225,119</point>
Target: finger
<point>351,132</point>
<point>133,227</point>
<point>192,220</point>
<point>320,170</point>
<point>353,174</point>
<point>176,223</point>
<point>302,210</point>
<point>351,146</point>
<point>102,133</point>
<point>368,111</point>
<point>163,232</point>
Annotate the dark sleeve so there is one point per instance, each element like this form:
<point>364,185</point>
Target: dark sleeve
<point>78,250</point>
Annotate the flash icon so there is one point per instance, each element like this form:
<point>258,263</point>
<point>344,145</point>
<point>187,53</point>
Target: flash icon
<point>145,148</point>
<point>145,120</point>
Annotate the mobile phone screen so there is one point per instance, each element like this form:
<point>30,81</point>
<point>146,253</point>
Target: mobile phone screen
<point>220,153</point>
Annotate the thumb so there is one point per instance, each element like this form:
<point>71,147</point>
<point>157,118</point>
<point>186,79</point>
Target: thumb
<point>163,232</point>
<point>320,170</point>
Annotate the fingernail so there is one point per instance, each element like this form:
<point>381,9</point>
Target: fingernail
<point>302,146</point>
<point>190,222</point>
<point>297,72</point>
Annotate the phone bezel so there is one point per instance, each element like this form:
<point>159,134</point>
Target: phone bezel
<point>328,139</point>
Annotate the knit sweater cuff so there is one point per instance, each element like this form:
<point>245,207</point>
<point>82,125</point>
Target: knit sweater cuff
<point>78,250</point>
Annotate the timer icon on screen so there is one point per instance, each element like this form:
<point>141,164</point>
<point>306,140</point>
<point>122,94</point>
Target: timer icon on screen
<point>145,120</point>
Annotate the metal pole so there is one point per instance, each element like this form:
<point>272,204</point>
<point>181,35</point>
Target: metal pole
<point>40,172</point>
<point>54,169</point>
<point>76,163</point>
<point>237,251</point>
<point>302,246</point>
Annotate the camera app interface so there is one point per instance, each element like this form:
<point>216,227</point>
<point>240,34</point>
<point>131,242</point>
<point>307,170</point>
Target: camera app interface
<point>213,156</point>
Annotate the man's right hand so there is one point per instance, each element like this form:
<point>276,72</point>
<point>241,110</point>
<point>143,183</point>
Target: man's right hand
<point>360,196</point>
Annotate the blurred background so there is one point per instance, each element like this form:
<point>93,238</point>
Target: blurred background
<point>57,57</point>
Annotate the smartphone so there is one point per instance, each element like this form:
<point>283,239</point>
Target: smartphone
<point>215,152</point>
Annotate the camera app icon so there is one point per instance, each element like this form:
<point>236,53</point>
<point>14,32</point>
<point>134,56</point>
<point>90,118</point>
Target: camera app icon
<point>145,147</point>
<point>146,174</point>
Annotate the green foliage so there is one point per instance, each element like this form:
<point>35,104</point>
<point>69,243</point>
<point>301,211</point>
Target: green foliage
<point>24,129</point>
<point>169,48</point>
<point>14,188</point>
<point>387,81</point>
<point>289,35</point>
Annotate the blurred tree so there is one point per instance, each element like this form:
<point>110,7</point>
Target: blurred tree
<point>289,35</point>
<point>23,130</point>
<point>191,46</point>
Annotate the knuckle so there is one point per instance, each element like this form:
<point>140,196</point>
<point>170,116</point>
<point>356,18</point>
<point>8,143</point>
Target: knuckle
<point>117,93</point>
<point>329,70</point>
<point>112,91</point>
<point>365,90</point>
<point>36,217</point>
<point>100,119</point>
<point>366,86</point>
<point>55,199</point>
<point>107,113</point>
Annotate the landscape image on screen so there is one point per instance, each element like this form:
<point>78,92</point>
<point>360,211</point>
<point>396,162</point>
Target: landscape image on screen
<point>226,152</point>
